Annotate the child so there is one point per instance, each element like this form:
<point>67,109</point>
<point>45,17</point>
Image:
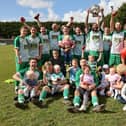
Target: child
<point>93,65</point>
<point>72,71</point>
<point>59,83</point>
<point>67,45</point>
<point>31,83</point>
<point>121,69</point>
<point>103,84</point>
<point>86,85</point>
<point>113,78</point>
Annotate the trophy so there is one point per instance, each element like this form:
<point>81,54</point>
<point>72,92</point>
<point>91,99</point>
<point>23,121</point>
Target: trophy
<point>95,9</point>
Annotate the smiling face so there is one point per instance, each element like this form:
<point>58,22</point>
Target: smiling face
<point>56,68</point>
<point>43,30</point>
<point>112,70</point>
<point>95,27</point>
<point>107,30</point>
<point>65,30</point>
<point>75,63</point>
<point>33,64</point>
<point>118,26</point>
<point>23,31</point>
<point>54,27</point>
<point>83,63</point>
<point>91,58</point>
<point>55,54</point>
<point>78,31</point>
<point>86,70</point>
<point>33,31</point>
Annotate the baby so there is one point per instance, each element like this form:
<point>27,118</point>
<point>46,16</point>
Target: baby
<point>67,44</point>
<point>30,82</point>
<point>30,79</point>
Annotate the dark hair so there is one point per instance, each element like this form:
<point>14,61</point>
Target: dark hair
<point>87,67</point>
<point>55,50</point>
<point>33,59</point>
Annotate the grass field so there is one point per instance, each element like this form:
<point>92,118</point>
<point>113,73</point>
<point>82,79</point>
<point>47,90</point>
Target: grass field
<point>56,113</point>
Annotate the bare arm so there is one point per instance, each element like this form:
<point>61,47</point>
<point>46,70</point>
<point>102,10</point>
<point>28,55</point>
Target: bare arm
<point>102,22</point>
<point>112,21</point>
<point>86,21</point>
<point>38,22</point>
<point>70,23</point>
<point>17,55</point>
<point>17,77</point>
<point>23,21</point>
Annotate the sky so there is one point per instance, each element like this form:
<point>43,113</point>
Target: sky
<point>53,10</point>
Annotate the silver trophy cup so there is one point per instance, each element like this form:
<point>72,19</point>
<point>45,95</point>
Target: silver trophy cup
<point>95,9</point>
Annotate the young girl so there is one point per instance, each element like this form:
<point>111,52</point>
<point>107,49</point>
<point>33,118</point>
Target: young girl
<point>86,85</point>
<point>113,79</point>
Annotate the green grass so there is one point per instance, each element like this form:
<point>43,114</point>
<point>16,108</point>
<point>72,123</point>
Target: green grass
<point>56,113</point>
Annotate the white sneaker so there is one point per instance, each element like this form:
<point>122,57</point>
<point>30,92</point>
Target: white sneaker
<point>124,108</point>
<point>82,108</point>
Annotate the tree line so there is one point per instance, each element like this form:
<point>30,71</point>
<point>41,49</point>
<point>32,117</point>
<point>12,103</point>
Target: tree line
<point>11,29</point>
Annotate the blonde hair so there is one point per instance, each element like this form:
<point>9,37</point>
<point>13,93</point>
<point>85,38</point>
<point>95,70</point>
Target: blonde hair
<point>56,66</point>
<point>66,37</point>
<point>30,74</point>
<point>121,69</point>
<point>47,63</point>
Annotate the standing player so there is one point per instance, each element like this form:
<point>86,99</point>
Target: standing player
<point>35,42</point>
<point>53,36</point>
<point>117,41</point>
<point>21,48</point>
<point>45,41</point>
<point>95,40</point>
<point>79,42</point>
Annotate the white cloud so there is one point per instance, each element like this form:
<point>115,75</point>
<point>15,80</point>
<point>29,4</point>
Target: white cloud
<point>33,13</point>
<point>36,3</point>
<point>52,16</point>
<point>79,15</point>
<point>106,4</point>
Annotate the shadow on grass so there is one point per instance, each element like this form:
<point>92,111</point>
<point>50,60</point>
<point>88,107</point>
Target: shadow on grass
<point>52,98</point>
<point>107,112</point>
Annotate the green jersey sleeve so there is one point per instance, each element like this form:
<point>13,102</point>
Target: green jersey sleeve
<point>60,37</point>
<point>22,72</point>
<point>77,77</point>
<point>17,42</point>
